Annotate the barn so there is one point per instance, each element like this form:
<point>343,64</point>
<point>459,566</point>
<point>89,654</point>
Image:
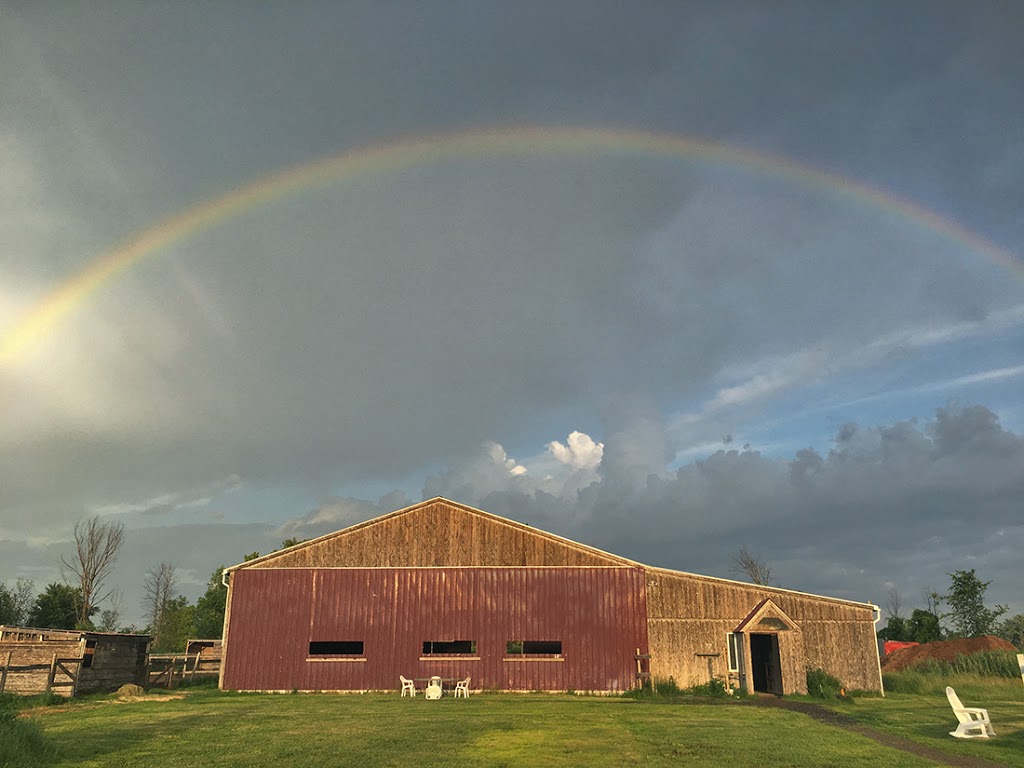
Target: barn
<point>70,661</point>
<point>440,588</point>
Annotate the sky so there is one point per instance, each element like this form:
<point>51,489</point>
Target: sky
<point>669,279</point>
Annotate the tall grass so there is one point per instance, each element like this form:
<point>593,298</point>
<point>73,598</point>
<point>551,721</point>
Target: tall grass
<point>22,744</point>
<point>659,688</point>
<point>931,676</point>
<point>987,664</point>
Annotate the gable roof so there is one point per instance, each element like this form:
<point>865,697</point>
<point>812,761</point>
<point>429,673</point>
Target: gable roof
<point>550,546</point>
<point>766,610</point>
<point>487,518</point>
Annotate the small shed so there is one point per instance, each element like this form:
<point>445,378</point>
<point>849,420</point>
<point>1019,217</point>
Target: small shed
<point>203,656</point>
<point>34,660</point>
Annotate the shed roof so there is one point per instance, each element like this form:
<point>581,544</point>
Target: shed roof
<point>49,634</point>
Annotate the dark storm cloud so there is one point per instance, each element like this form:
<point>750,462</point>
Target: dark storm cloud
<point>905,503</point>
<point>375,330</point>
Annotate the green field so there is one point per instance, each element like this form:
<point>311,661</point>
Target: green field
<point>927,719</point>
<point>204,727</point>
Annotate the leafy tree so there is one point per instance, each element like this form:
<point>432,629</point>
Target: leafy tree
<point>209,616</point>
<point>111,616</point>
<point>175,625</point>
<point>291,542</point>
<point>966,600</point>
<point>923,626</point>
<point>57,607</point>
<point>8,608</point>
<point>16,604</point>
<point>895,629</point>
<point>96,548</point>
<point>1012,629</point>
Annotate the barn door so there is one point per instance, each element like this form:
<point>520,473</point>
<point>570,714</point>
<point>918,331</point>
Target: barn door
<point>766,666</point>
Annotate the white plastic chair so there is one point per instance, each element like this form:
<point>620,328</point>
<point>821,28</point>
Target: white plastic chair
<point>462,687</point>
<point>407,686</point>
<point>433,690</point>
<point>971,719</point>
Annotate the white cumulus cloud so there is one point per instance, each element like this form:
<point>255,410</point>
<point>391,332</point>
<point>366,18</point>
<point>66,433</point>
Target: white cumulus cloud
<point>579,452</point>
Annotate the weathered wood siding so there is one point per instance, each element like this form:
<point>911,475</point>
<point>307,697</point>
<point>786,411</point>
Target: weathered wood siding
<point>113,661</point>
<point>437,533</point>
<point>33,681</point>
<point>116,661</point>
<point>690,615</point>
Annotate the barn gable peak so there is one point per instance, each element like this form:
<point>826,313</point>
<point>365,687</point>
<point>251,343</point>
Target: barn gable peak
<point>437,533</point>
<point>766,616</point>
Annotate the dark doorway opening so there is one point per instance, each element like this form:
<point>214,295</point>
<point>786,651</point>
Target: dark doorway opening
<point>764,660</point>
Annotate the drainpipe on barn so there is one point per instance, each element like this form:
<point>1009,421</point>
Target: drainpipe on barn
<point>878,615</point>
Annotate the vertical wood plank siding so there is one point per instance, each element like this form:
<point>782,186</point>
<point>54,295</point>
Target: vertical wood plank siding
<point>598,614</point>
<point>690,615</point>
<point>437,534</point>
<point>116,660</point>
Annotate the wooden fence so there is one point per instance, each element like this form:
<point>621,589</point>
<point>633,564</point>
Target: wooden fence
<point>166,669</point>
<point>60,673</point>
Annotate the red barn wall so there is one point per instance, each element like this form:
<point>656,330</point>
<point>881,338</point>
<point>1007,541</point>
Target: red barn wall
<point>599,615</point>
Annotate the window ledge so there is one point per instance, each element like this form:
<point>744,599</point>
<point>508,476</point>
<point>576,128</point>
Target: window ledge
<point>534,658</point>
<point>336,658</point>
<point>450,657</point>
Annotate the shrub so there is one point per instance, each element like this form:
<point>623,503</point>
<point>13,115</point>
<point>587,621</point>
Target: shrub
<point>659,688</point>
<point>667,687</point>
<point>713,687</point>
<point>822,685</point>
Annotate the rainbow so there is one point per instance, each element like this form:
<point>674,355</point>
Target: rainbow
<point>58,305</point>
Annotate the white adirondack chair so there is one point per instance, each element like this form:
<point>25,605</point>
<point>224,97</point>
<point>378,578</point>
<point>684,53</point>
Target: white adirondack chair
<point>974,722</point>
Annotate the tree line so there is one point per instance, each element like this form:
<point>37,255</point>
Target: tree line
<point>74,602</point>
<point>968,616</point>
<point>171,620</point>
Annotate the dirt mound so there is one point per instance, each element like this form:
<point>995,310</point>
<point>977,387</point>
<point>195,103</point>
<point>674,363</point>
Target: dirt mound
<point>131,690</point>
<point>943,650</point>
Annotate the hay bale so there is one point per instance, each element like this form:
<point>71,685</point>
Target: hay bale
<point>131,690</point>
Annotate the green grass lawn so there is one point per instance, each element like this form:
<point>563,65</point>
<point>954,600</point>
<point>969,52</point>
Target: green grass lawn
<point>927,718</point>
<point>210,728</point>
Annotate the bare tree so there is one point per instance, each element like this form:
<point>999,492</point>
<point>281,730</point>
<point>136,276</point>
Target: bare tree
<point>932,600</point>
<point>24,597</point>
<point>112,615</point>
<point>157,591</point>
<point>753,567</point>
<point>96,548</point>
<point>894,604</point>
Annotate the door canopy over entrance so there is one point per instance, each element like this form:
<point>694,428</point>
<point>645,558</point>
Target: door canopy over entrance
<point>767,617</point>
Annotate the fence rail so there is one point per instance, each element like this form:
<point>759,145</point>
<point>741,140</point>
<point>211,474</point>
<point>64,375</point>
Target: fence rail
<point>165,669</point>
<point>54,667</point>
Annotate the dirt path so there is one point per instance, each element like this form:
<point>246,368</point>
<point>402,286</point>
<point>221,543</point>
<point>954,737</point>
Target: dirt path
<point>829,717</point>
